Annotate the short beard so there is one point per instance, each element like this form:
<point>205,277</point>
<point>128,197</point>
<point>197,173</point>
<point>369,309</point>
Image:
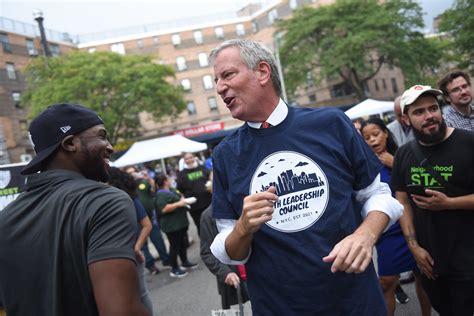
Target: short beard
<point>92,166</point>
<point>431,139</point>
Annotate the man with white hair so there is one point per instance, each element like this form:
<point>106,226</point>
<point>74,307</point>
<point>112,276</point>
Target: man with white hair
<point>284,195</point>
<point>401,131</point>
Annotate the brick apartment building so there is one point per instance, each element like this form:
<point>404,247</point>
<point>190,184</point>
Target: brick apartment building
<point>185,44</point>
<point>19,43</point>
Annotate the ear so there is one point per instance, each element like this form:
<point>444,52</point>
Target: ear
<point>70,143</point>
<point>264,72</point>
<point>406,120</point>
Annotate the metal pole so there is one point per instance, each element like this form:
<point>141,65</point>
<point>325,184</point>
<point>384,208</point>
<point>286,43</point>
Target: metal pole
<point>276,39</point>
<point>38,15</point>
<point>163,166</point>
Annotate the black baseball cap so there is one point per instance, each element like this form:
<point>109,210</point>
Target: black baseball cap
<point>52,125</point>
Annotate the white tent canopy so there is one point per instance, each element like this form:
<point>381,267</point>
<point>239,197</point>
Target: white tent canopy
<point>369,107</point>
<point>158,148</point>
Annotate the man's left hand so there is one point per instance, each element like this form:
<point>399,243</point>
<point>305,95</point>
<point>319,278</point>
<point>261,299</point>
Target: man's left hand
<point>435,202</point>
<point>352,254</point>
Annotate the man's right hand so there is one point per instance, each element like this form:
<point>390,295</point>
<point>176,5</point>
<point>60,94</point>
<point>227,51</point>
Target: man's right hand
<point>424,261</point>
<point>257,209</point>
<point>232,279</point>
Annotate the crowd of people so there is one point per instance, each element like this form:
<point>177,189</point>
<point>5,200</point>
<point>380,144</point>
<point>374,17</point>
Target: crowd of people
<point>419,188</point>
<point>299,200</point>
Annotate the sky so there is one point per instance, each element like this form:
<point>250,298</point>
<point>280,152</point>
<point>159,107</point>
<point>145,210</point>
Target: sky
<point>90,16</point>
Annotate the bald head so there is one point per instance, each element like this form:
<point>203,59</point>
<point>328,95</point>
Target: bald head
<point>398,110</point>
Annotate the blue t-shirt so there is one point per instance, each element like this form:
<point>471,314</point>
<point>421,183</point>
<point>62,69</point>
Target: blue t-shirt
<point>140,211</point>
<point>316,160</point>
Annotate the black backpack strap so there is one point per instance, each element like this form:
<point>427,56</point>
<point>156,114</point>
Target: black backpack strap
<point>426,164</point>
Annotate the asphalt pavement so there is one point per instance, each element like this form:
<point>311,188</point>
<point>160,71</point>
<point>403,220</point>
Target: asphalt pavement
<point>196,294</point>
<point>193,295</point>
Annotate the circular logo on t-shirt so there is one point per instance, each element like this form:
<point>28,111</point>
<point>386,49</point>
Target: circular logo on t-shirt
<point>5,177</point>
<point>301,187</point>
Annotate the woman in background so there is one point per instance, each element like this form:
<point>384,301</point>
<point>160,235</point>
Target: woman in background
<point>125,182</point>
<point>172,209</point>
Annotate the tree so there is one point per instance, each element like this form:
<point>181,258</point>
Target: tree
<point>352,40</point>
<point>117,87</point>
<point>459,23</point>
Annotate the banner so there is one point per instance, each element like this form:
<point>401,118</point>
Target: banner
<point>11,183</point>
<point>199,130</point>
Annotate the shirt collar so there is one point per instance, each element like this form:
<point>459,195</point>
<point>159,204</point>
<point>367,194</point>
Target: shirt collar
<point>278,115</point>
<point>453,111</point>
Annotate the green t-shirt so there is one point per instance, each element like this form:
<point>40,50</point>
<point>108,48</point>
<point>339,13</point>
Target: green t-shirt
<point>145,195</point>
<point>171,221</point>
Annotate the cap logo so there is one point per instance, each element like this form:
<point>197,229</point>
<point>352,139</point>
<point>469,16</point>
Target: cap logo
<point>64,129</point>
<point>418,87</point>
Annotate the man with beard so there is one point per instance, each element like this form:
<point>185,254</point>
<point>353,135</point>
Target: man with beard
<point>438,220</point>
<point>67,242</point>
<point>456,87</point>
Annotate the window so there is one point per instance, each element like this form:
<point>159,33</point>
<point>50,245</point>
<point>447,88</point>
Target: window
<point>207,81</point>
<point>156,40</point>
<point>341,90</point>
<point>5,43</point>
<point>198,37</point>
<point>54,49</point>
<point>11,72</point>
<point>191,108</point>
<point>91,50</point>
<point>24,126</point>
<point>219,32</point>
<point>312,98</point>
<point>272,16</point>
<point>293,4</point>
<point>366,88</point>
<point>394,85</point>
<point>181,63</point>
<point>30,47</point>
<point>254,27</point>
<point>176,39</point>
<point>309,79</point>
<point>212,102</point>
<point>384,84</point>
<point>140,43</point>
<point>203,61</point>
<point>186,84</point>
<point>118,48</point>
<point>240,29</point>
<point>16,96</point>
<point>376,85</point>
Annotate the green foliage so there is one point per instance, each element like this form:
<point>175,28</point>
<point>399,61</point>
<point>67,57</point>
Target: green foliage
<point>117,87</point>
<point>459,23</point>
<point>352,39</point>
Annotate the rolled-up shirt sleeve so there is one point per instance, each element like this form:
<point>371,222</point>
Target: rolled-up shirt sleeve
<point>378,197</point>
<point>225,227</point>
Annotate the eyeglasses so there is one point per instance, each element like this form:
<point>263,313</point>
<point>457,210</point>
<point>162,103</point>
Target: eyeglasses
<point>459,89</point>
